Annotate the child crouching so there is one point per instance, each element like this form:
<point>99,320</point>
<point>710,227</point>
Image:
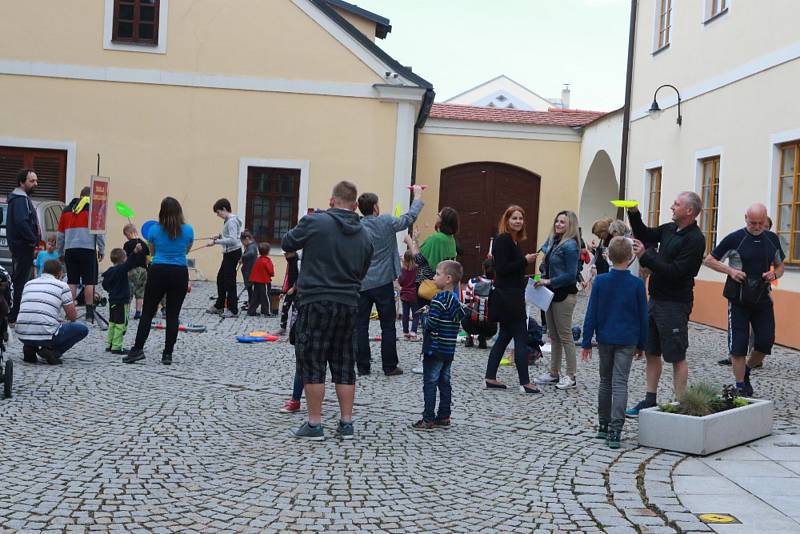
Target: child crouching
<point>439,346</point>
<point>617,312</point>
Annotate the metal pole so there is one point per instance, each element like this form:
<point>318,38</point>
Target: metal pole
<point>626,115</point>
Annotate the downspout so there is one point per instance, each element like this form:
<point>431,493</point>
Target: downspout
<point>626,114</point>
<point>425,109</point>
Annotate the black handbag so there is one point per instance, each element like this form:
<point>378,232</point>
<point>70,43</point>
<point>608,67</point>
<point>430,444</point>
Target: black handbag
<point>495,304</point>
<point>747,293</point>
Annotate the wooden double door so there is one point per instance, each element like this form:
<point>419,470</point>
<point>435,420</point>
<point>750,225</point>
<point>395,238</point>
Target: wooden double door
<point>481,192</point>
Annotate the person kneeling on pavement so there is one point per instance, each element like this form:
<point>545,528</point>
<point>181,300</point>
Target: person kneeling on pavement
<point>39,326</point>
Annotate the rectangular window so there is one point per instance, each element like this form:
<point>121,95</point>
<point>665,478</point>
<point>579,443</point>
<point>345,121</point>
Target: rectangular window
<point>272,202</point>
<point>664,23</point>
<point>50,167</point>
<point>709,191</point>
<point>136,21</point>
<point>653,196</point>
<point>715,7</point>
<point>788,224</point>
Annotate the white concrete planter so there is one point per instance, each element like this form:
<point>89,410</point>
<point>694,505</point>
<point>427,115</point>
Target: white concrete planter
<point>705,435</point>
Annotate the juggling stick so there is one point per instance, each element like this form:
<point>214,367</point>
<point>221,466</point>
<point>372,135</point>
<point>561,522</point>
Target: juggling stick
<point>423,187</point>
<point>161,325</point>
<point>625,203</point>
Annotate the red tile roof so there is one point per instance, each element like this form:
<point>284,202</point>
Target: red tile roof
<point>552,117</point>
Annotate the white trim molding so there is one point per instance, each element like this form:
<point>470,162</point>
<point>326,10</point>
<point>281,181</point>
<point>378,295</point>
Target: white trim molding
<point>644,204</point>
<point>345,39</point>
<point>751,68</point>
<point>398,93</point>
<point>200,80</point>
<point>69,146</point>
<point>403,157</point>
<point>699,156</point>
<point>108,31</point>
<point>500,130</point>
<point>775,140</point>
<point>303,165</point>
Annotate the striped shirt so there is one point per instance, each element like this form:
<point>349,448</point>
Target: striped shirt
<point>444,322</point>
<point>40,309</point>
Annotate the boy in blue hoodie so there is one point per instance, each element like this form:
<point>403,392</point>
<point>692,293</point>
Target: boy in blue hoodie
<point>439,346</point>
<point>617,312</point>
<point>115,281</point>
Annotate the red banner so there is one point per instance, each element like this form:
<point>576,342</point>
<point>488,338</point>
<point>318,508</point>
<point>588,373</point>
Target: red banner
<point>98,204</point>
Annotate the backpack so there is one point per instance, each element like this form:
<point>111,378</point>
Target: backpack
<point>479,305</point>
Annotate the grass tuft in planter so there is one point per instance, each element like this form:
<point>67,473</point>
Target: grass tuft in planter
<point>704,399</point>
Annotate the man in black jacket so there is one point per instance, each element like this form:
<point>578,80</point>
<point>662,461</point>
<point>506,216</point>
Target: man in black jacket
<point>23,233</point>
<point>673,265</point>
<point>337,251</point>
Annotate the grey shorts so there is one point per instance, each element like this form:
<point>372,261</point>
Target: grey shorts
<point>668,334</point>
<point>137,279</point>
<point>325,337</point>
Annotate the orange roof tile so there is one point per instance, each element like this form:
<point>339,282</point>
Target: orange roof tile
<point>552,117</point>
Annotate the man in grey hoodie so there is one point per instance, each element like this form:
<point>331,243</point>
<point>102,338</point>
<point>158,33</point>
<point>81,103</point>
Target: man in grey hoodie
<point>378,285</point>
<point>337,251</point>
<point>231,243</point>
<point>23,233</point>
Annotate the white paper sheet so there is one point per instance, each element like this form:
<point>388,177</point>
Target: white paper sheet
<point>541,297</point>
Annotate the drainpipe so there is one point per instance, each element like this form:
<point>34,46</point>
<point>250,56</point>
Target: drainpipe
<point>425,109</point>
<point>626,115</point>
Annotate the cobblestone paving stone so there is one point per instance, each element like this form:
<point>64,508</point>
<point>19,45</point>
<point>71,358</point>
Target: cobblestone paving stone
<point>95,445</point>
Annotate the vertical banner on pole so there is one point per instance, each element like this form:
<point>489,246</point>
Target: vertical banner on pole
<point>98,204</point>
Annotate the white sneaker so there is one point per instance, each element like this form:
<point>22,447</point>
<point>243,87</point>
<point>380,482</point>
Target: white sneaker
<point>418,370</point>
<point>566,383</point>
<point>546,379</point>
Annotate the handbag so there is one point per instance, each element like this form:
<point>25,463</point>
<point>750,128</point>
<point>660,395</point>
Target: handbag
<point>747,293</point>
<point>427,290</point>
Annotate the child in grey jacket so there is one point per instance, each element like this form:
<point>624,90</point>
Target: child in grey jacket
<point>232,254</point>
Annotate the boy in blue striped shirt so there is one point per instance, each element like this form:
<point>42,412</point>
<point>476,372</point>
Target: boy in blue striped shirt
<point>439,346</point>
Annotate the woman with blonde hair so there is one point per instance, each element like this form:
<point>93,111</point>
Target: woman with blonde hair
<point>560,275</point>
<point>507,303</point>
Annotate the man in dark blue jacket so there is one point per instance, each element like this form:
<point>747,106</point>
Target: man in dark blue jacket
<point>23,233</point>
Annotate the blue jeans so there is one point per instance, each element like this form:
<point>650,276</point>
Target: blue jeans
<point>383,298</point>
<point>518,331</point>
<point>64,339</point>
<point>297,387</point>
<point>436,374</point>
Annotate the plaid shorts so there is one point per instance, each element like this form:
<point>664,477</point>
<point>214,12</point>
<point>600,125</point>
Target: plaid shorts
<point>325,336</point>
<point>137,279</point>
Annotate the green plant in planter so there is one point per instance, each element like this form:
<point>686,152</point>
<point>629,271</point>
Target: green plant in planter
<point>699,400</point>
<point>668,407</point>
<point>738,402</point>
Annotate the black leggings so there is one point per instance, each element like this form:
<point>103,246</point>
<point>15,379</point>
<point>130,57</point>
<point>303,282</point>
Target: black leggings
<point>226,281</point>
<point>169,280</point>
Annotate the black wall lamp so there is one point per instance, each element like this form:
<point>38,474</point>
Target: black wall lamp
<point>655,109</point>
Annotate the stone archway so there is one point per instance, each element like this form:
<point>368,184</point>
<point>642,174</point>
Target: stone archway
<point>599,188</point>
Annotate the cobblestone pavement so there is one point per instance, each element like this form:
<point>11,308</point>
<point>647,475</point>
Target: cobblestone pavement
<point>201,447</point>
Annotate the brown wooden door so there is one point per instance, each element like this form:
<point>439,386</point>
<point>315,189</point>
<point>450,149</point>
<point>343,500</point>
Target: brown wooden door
<point>481,192</point>
<point>50,167</point>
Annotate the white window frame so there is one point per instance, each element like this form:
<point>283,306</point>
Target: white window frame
<point>657,26</point>
<point>699,156</point>
<point>709,4</point>
<point>775,141</point>
<point>644,204</point>
<point>108,31</point>
<point>303,165</point>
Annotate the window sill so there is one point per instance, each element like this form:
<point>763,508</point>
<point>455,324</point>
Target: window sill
<point>715,17</point>
<point>125,46</point>
<point>656,52</point>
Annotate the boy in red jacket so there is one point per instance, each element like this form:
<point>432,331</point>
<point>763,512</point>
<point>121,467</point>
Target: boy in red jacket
<point>261,278</point>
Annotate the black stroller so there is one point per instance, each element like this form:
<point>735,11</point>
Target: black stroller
<point>6,366</point>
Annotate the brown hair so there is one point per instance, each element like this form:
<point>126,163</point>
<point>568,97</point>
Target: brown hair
<point>601,226</point>
<point>118,256</point>
<point>408,260</point>
<point>502,226</point>
<point>129,229</point>
<point>345,192</point>
<point>452,269</point>
<point>52,267</point>
<point>263,248</point>
<point>449,221</point>
<point>247,234</point>
<point>620,250</point>
<point>170,217</point>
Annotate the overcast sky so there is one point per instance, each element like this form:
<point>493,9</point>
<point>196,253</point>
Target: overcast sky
<point>542,44</point>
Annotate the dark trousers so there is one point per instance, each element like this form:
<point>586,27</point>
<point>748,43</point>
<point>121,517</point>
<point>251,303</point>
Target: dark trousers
<point>518,331</point>
<point>383,299</point>
<point>169,280</point>
<point>297,387</point>
<point>249,287</point>
<point>436,375</point>
<point>226,281</point>
<point>612,395</point>
<point>410,308</point>
<point>22,261</point>
<point>260,298</point>
<point>288,300</point>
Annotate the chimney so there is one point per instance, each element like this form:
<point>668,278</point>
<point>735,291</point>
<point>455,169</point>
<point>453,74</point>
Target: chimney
<point>565,97</point>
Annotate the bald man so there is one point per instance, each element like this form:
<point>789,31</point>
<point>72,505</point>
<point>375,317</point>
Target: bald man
<point>755,258</point>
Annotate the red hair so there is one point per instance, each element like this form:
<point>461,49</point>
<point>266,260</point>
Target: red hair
<point>502,226</point>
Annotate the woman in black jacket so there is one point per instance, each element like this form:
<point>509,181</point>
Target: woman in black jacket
<point>507,303</point>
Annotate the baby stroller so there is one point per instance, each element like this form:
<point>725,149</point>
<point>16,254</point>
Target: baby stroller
<point>6,366</point>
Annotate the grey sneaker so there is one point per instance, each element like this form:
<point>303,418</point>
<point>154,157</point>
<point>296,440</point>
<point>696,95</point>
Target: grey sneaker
<point>312,433</point>
<point>214,310</point>
<point>547,379</point>
<point>227,314</point>
<point>345,430</point>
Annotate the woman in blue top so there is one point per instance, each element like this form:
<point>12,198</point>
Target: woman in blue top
<point>560,275</point>
<point>170,240</point>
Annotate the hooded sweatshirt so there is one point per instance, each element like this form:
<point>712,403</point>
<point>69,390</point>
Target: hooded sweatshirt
<point>22,227</point>
<point>73,229</point>
<point>231,234</point>
<point>337,252</point>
